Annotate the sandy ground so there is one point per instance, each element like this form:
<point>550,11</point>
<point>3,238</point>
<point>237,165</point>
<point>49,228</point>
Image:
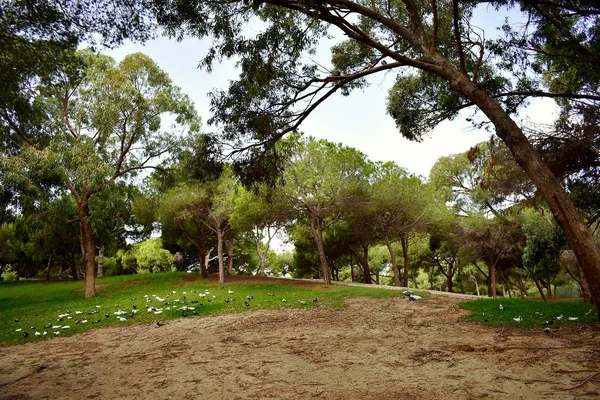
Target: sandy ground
<point>371,349</point>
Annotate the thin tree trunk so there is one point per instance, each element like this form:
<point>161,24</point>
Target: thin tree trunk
<point>49,265</point>
<point>476,287</point>
<point>388,244</point>
<point>315,226</point>
<point>101,262</point>
<point>404,242</point>
<point>540,289</point>
<point>220,256</point>
<point>229,245</point>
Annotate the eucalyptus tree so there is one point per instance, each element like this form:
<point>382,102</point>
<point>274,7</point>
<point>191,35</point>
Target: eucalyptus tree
<point>321,180</point>
<point>443,60</point>
<point>104,124</point>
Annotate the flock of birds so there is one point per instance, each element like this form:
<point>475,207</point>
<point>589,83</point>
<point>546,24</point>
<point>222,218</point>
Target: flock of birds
<point>538,314</point>
<point>183,305</point>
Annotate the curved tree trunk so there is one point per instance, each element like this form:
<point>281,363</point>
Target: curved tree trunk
<point>388,244</point>
<point>566,215</point>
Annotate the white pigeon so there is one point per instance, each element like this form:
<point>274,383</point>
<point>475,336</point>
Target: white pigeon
<point>518,319</point>
<point>230,291</point>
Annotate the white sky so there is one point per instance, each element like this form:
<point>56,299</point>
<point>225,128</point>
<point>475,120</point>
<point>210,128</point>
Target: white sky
<point>359,121</point>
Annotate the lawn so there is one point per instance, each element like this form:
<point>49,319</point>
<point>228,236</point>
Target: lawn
<point>33,311</point>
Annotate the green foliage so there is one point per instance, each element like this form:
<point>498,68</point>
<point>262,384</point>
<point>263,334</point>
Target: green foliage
<point>535,314</point>
<point>37,304</point>
<point>146,257</point>
<point>10,274</point>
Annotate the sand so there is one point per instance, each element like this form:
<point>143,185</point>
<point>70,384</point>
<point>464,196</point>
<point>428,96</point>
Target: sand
<point>370,349</point>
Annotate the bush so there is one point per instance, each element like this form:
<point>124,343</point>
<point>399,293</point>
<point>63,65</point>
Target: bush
<point>10,275</point>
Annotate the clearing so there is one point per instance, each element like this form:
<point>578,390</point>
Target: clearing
<point>370,349</point>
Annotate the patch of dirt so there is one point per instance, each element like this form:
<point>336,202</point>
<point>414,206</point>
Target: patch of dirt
<point>371,349</point>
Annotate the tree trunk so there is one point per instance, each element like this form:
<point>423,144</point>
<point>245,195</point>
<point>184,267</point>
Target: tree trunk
<point>404,242</point>
<point>220,256</point>
<point>315,227</point>
<point>49,265</point>
<point>101,262</point>
<point>585,290</point>
<point>564,212</point>
<point>388,244</point>
<point>88,247</point>
<point>540,289</point>
<point>493,278</point>
<point>476,287</point>
<point>229,245</point>
<point>363,260</point>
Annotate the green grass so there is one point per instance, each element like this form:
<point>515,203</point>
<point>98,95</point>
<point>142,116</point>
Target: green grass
<point>37,305</point>
<point>534,314</point>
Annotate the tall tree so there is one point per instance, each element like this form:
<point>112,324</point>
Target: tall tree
<point>277,91</point>
<point>401,204</point>
<point>322,178</point>
<point>104,124</point>
<point>262,213</point>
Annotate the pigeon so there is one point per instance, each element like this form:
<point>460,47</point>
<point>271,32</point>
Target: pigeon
<point>37,334</point>
<point>518,319</point>
<point>270,294</point>
<point>547,330</point>
<point>501,308</point>
<point>230,291</point>
<point>315,300</point>
<point>246,304</point>
<point>122,319</point>
<point>573,318</point>
<point>559,318</point>
<point>16,319</point>
<point>302,302</point>
<point>283,300</point>
<point>25,334</point>
<point>407,293</point>
<point>159,324</point>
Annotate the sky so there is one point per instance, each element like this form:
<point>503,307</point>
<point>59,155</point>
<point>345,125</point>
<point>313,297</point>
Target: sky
<point>359,120</point>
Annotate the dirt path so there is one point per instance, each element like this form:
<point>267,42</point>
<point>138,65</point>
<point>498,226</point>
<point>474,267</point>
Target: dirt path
<point>371,349</point>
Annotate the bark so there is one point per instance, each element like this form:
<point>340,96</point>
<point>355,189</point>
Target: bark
<point>220,256</point>
<point>492,275</point>
<point>101,262</point>
<point>363,260</point>
<point>404,242</point>
<point>540,289</point>
<point>88,246</point>
<point>49,265</point>
<point>229,245</point>
<point>563,210</point>
<point>393,260</point>
<point>317,231</point>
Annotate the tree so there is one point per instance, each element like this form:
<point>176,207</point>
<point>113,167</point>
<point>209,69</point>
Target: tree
<point>262,213</point>
<point>277,91</point>
<point>401,204</point>
<point>105,126</point>
<point>321,179</point>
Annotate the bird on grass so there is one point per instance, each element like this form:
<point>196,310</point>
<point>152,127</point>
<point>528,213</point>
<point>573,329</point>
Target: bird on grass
<point>518,319</point>
<point>315,300</point>
<point>302,302</point>
<point>501,308</point>
<point>407,293</point>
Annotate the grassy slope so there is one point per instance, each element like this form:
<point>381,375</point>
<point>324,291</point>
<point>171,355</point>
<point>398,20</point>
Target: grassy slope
<point>39,304</point>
